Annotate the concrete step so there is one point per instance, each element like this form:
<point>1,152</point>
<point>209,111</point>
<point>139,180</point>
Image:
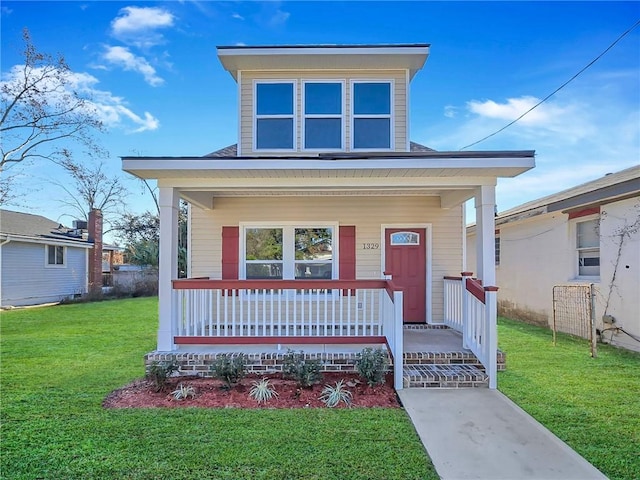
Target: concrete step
<point>444,376</point>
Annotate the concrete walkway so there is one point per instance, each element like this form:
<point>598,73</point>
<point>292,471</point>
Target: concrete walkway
<point>480,433</point>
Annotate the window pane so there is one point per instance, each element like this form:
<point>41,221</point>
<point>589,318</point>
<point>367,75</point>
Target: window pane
<point>371,98</point>
<point>372,133</point>
<point>264,271</point>
<point>263,244</point>
<point>588,234</point>
<point>313,244</point>
<point>322,98</point>
<point>312,271</point>
<point>51,255</point>
<point>274,99</point>
<point>589,263</point>
<point>323,133</point>
<point>275,133</point>
<point>59,255</point>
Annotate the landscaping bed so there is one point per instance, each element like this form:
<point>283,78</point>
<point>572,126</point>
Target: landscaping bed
<point>211,393</point>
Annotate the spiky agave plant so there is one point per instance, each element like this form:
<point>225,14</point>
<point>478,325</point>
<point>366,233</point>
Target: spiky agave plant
<point>332,395</point>
<point>262,391</point>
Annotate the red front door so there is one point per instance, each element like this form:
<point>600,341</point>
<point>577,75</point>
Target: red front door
<point>405,260</point>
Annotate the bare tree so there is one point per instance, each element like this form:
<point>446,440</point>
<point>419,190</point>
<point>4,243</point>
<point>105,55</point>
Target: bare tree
<point>42,113</point>
<point>91,187</point>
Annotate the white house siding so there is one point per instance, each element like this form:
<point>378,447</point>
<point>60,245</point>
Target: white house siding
<point>624,298</point>
<point>399,114</point>
<point>366,213</point>
<point>27,281</point>
<point>538,253</point>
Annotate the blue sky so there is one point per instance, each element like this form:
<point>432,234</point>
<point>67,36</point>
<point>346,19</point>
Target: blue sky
<point>152,68</point>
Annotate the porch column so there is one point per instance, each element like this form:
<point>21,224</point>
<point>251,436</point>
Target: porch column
<point>169,202</point>
<point>486,265</point>
<point>485,202</point>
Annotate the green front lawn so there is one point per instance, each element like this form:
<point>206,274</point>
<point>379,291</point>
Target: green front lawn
<point>593,404</point>
<point>58,364</point>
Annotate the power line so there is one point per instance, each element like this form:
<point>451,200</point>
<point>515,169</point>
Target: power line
<point>557,89</point>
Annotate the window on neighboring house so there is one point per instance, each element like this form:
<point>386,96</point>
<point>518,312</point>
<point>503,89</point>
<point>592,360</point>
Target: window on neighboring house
<point>323,115</point>
<point>497,248</point>
<point>371,127</point>
<point>55,255</point>
<point>275,115</point>
<point>288,253</point>
<point>588,246</point>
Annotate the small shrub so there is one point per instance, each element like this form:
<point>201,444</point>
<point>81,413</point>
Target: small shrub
<point>332,395</point>
<point>183,392</point>
<point>304,371</point>
<point>262,391</point>
<point>159,373</point>
<point>230,369</point>
<point>372,365</point>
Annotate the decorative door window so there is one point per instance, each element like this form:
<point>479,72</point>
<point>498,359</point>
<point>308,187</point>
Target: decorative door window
<point>405,238</point>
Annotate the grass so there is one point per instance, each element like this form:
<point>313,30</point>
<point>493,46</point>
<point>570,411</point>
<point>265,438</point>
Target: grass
<point>58,364</point>
<point>593,404</point>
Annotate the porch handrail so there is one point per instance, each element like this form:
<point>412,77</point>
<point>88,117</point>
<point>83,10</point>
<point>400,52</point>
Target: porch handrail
<point>470,308</point>
<point>299,311</point>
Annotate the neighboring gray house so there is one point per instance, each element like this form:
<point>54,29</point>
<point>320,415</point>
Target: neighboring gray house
<point>40,260</point>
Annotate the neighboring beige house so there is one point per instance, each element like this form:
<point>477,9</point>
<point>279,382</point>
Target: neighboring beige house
<point>586,234</point>
<point>325,225</point>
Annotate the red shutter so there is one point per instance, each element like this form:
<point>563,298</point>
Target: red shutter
<point>230,252</point>
<point>347,239</point>
<point>347,252</point>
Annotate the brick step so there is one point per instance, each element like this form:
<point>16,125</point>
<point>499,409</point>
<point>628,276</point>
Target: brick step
<point>449,358</point>
<point>444,376</point>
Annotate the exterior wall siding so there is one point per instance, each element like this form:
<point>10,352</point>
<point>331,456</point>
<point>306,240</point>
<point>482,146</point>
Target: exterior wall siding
<point>247,107</point>
<point>366,213</point>
<point>539,253</point>
<point>26,280</point>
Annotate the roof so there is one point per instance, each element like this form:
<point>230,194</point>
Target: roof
<point>409,56</point>
<point>27,226</point>
<point>611,187</point>
<point>231,151</point>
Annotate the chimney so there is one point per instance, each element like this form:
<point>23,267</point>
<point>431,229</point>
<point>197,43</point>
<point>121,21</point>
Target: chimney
<point>95,254</point>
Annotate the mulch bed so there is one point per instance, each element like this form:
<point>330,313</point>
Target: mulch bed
<point>210,393</point>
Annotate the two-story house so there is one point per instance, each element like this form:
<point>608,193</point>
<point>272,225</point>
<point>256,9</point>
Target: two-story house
<point>325,225</point>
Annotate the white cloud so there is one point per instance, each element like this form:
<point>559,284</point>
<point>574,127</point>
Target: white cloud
<point>237,16</point>
<point>122,57</point>
<point>110,109</point>
<point>514,107</point>
<point>138,25</point>
<point>450,111</point>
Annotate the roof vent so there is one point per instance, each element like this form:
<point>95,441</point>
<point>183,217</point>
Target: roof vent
<point>80,224</point>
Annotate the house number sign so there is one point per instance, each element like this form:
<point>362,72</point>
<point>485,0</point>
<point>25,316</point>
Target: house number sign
<point>370,246</point>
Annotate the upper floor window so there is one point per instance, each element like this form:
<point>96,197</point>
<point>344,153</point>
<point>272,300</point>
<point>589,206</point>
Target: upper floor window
<point>323,115</point>
<point>588,246</point>
<point>371,115</point>
<point>275,115</point>
<point>55,255</point>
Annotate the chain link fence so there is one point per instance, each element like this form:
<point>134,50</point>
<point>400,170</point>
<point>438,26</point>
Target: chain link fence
<point>573,312</point>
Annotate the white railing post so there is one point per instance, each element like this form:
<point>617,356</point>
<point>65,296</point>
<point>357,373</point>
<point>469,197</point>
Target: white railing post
<point>491,321</point>
<point>466,311</point>
<point>398,347</point>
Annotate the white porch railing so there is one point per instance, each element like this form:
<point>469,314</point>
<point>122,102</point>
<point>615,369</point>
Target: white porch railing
<point>470,308</point>
<point>289,311</point>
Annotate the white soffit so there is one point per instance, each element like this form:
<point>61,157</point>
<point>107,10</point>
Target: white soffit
<point>206,167</point>
<point>365,57</point>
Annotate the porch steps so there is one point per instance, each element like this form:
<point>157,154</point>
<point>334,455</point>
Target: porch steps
<point>444,376</point>
<point>445,364</point>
